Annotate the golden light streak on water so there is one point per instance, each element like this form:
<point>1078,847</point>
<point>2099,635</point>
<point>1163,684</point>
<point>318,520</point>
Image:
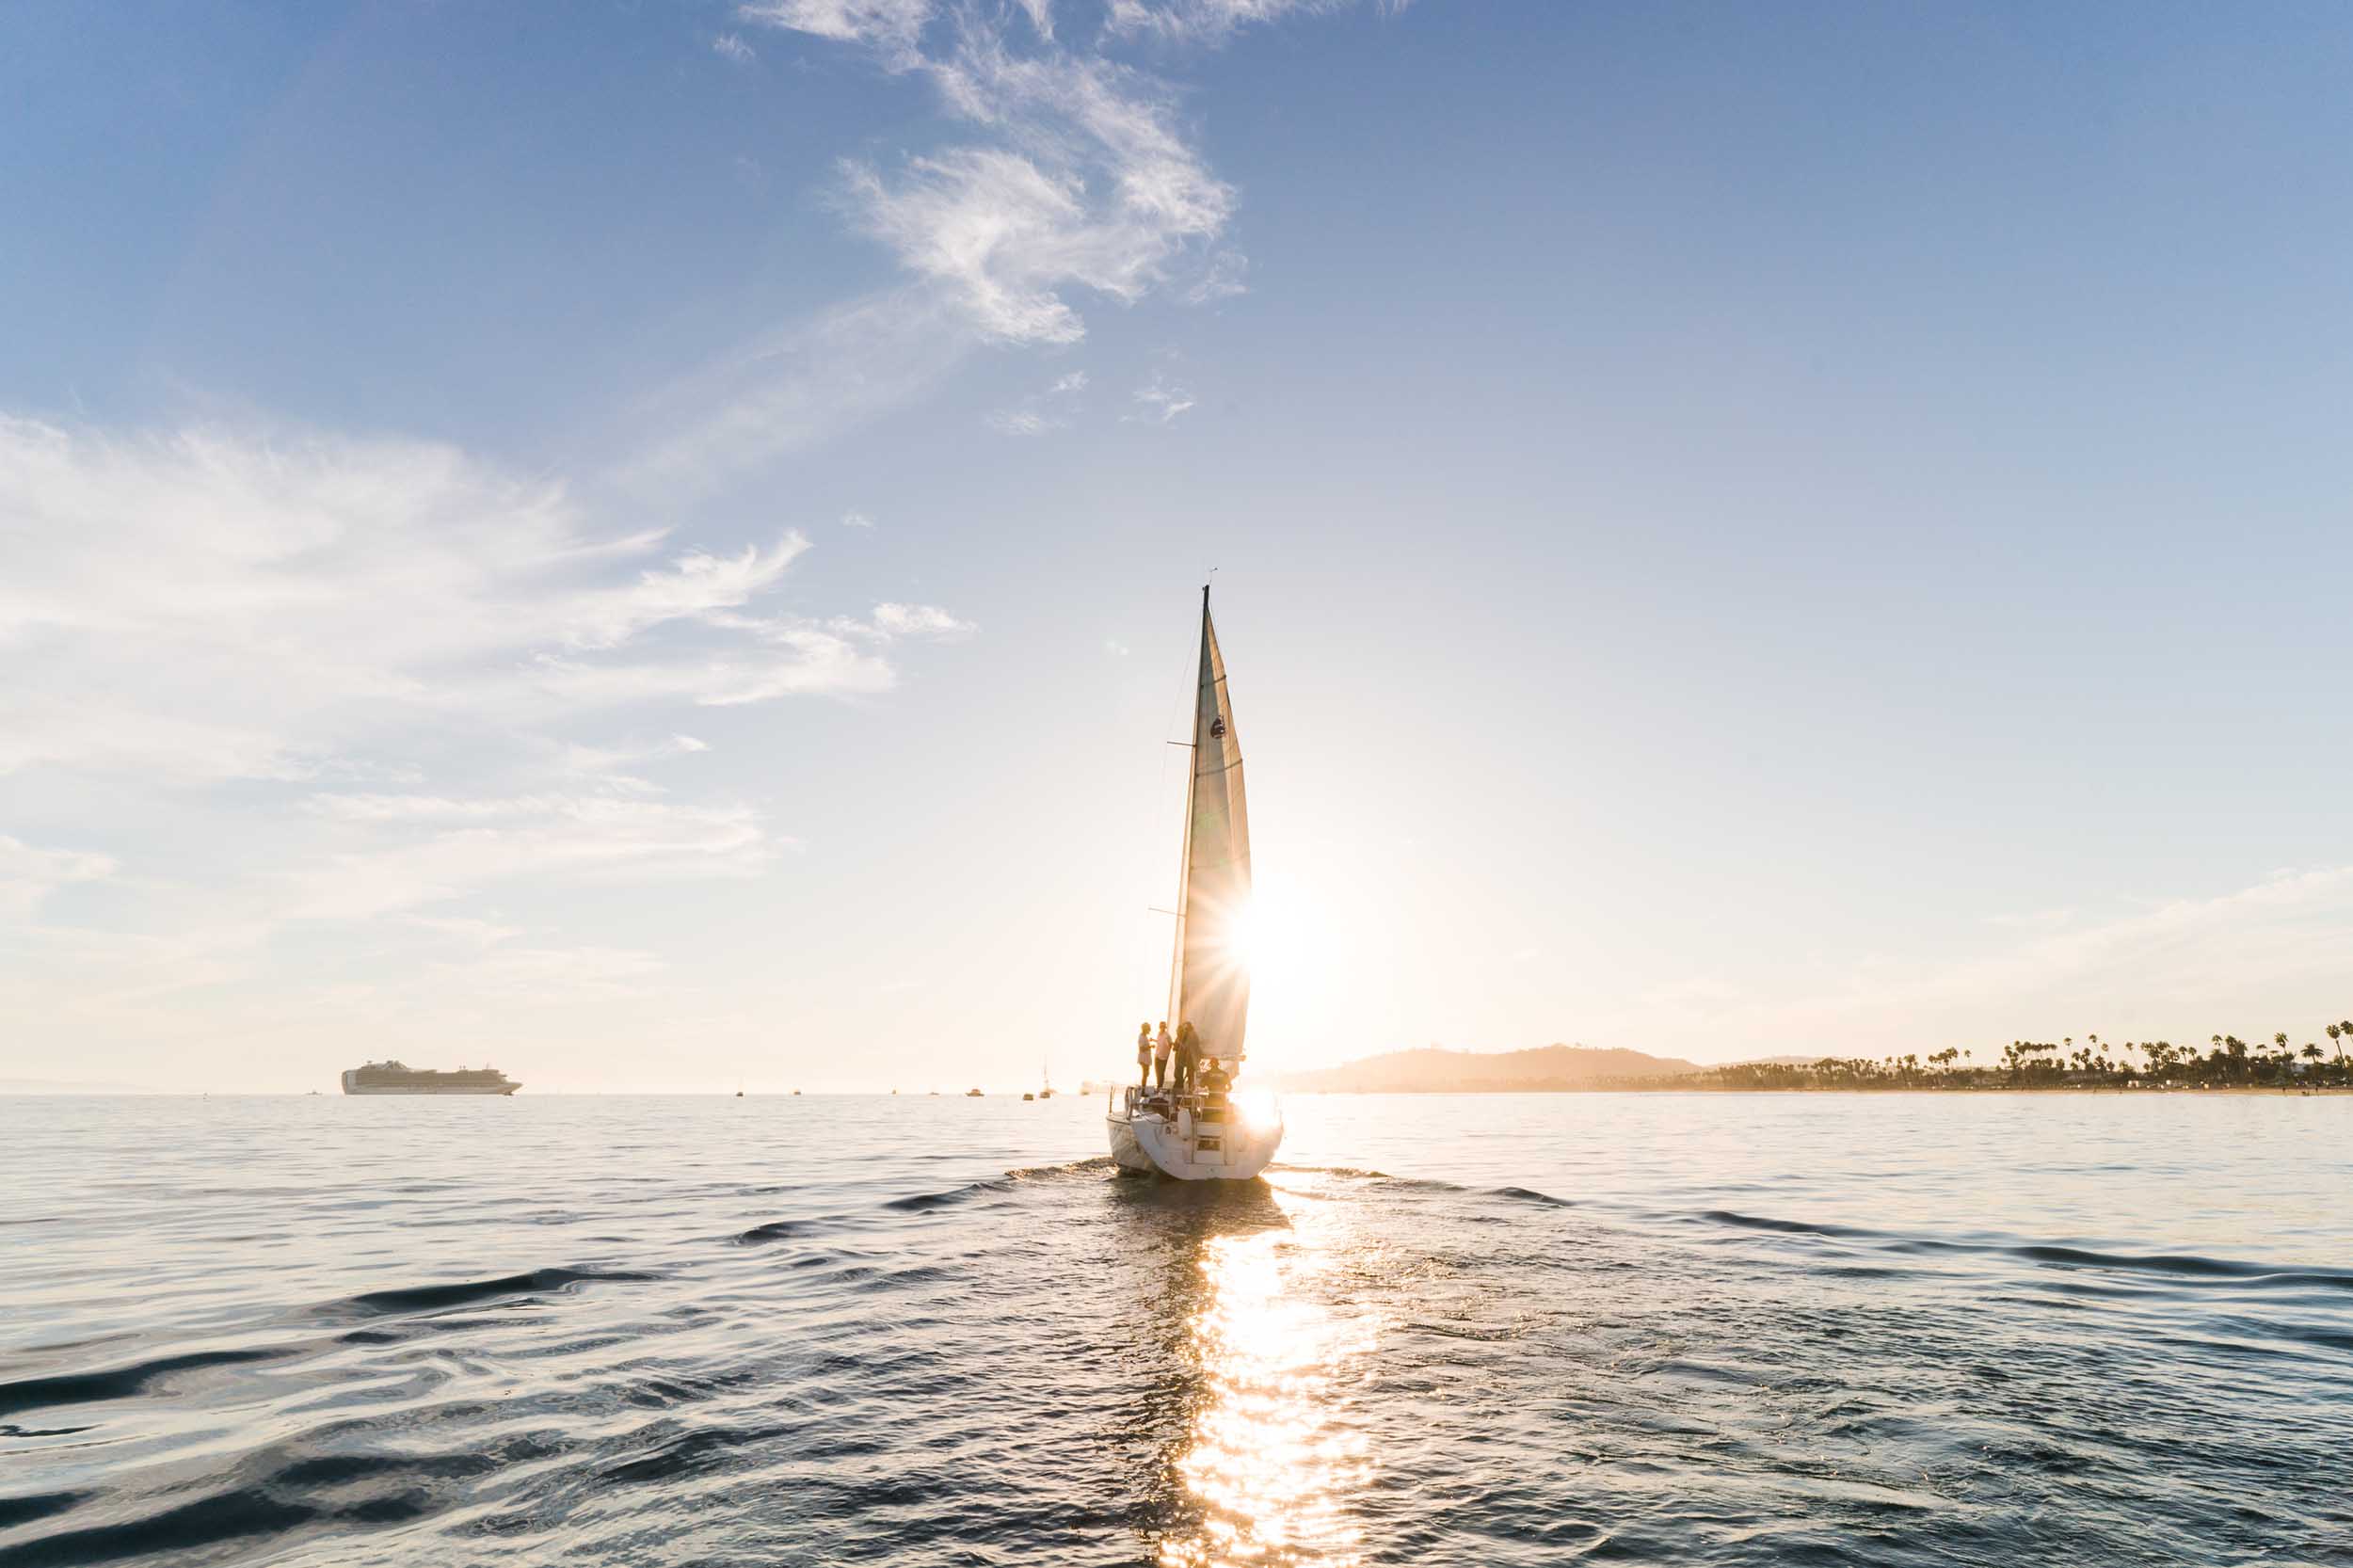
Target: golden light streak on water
<point>1273,1456</point>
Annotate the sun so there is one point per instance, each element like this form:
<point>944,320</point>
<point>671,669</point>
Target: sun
<point>1275,931</point>
<point>1292,953</point>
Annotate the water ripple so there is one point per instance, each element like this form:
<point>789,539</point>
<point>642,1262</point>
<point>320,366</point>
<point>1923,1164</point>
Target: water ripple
<point>633,1332</point>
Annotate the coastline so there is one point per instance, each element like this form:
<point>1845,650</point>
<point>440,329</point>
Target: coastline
<point>2290,1091</point>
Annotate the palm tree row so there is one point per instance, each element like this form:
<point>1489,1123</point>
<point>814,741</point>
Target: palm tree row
<point>2227,1061</point>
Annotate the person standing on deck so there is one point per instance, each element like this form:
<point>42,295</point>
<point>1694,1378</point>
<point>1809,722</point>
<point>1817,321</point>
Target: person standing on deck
<point>1188,1055</point>
<point>1143,1056</point>
<point>1160,1048</point>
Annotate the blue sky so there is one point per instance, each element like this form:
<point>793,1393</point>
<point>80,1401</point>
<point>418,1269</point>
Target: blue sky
<point>656,543</point>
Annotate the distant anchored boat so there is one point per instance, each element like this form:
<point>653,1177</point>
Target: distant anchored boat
<point>398,1078</point>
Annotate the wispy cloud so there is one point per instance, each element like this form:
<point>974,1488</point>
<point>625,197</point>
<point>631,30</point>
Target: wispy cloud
<point>918,621</point>
<point>1071,178</point>
<point>732,46</point>
<point>1004,234</point>
<point>429,849</point>
<point>410,663</point>
<point>1081,179</point>
<point>856,519</point>
<point>27,874</point>
<point>1161,400</point>
<point>510,973</point>
<point>1211,22</point>
<point>203,604</point>
<point>786,393</point>
<point>1040,412</point>
<point>463,928</point>
<point>1023,422</point>
<point>693,585</point>
<point>2261,956</point>
<point>890,27</point>
<point>607,763</point>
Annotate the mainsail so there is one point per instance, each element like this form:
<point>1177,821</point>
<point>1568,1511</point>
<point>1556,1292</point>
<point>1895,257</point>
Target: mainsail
<point>1211,986</point>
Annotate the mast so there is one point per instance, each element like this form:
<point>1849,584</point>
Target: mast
<point>1210,982</point>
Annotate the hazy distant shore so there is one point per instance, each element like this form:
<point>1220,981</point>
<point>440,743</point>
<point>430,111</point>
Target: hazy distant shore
<point>1630,1087</point>
<point>2229,1066</point>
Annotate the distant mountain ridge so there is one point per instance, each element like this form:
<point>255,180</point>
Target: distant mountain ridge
<point>1433,1070</point>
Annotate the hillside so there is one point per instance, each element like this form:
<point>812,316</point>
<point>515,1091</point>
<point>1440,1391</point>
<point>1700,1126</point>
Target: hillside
<point>1434,1071</point>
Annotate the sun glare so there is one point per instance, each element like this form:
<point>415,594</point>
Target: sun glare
<point>1275,930</point>
<point>1287,941</point>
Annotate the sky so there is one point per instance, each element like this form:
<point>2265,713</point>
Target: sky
<point>658,545</point>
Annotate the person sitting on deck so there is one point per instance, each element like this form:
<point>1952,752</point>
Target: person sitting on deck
<point>1214,1078</point>
<point>1143,1056</point>
<point>1161,1048</point>
<point>1188,1055</point>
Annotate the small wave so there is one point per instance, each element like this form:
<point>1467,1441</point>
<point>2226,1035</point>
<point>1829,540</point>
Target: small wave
<point>207,1522</point>
<point>920,1202</point>
<point>690,1453</point>
<point>2188,1266</point>
<point>1351,1171</point>
<point>1529,1194</point>
<point>358,1489</point>
<point>120,1382</point>
<point>353,1470</point>
<point>1421,1184</point>
<point>1467,1331</point>
<point>424,1298</point>
<point>1068,1168</point>
<point>1786,1227</point>
<point>40,1505</point>
<point>2171,1265</point>
<point>779,1230</point>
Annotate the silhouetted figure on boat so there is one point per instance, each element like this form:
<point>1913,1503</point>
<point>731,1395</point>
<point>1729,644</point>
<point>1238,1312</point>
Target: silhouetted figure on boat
<point>1143,1056</point>
<point>1188,1055</point>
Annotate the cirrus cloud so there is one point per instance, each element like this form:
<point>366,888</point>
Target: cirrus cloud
<point>207,605</point>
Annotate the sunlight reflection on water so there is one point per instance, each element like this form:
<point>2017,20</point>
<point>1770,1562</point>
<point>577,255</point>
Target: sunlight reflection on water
<point>1270,1456</point>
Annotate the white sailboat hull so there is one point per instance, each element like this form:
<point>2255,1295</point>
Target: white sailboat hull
<point>1149,1141</point>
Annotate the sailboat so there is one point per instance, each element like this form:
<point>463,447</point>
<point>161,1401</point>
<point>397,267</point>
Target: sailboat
<point>1201,1133</point>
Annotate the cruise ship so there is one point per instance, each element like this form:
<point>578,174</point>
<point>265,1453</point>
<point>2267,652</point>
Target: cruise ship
<point>397,1078</point>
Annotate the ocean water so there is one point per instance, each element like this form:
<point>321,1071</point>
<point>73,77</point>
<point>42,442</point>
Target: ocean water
<point>1490,1330</point>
